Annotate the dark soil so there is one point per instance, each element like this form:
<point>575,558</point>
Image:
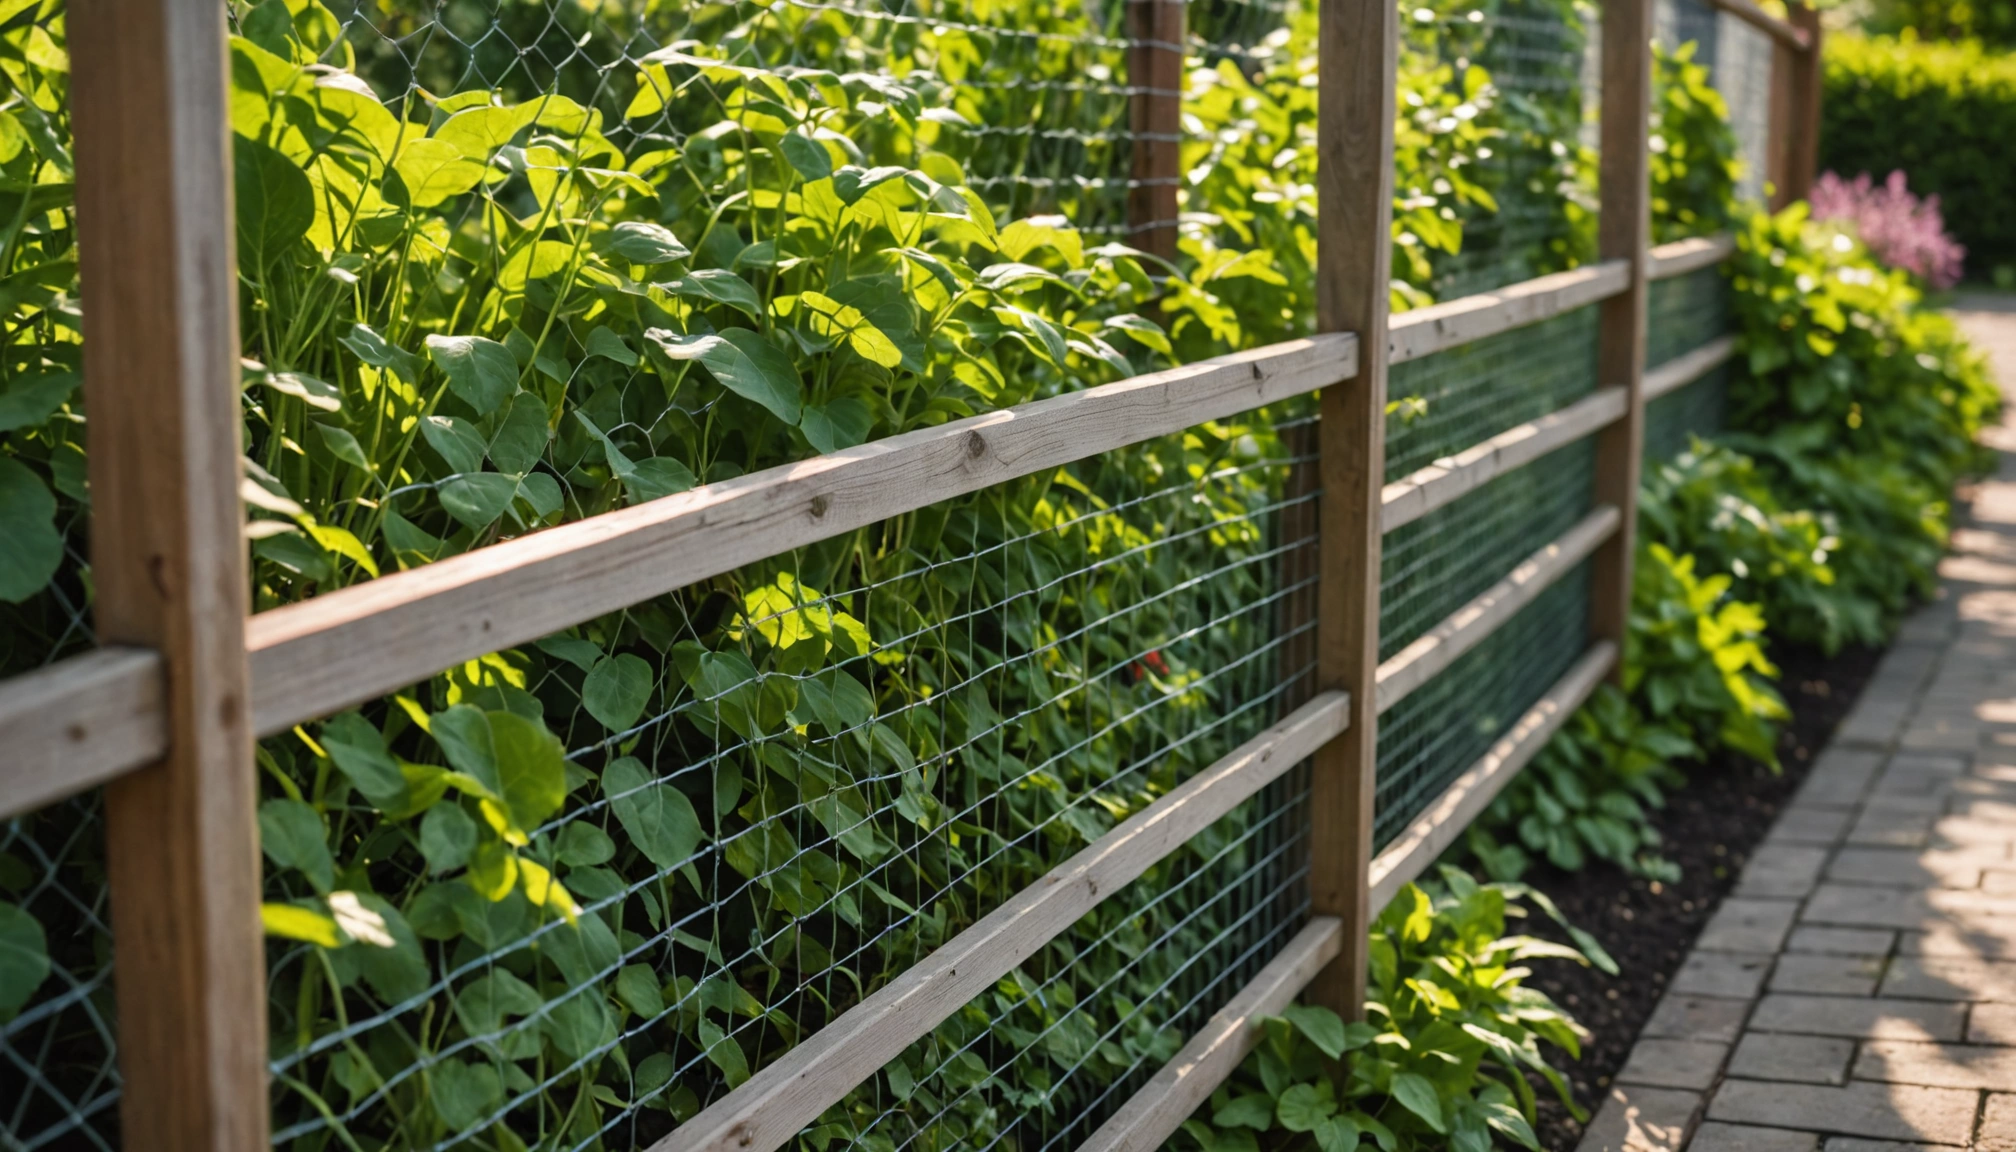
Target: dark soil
<point>1709,828</point>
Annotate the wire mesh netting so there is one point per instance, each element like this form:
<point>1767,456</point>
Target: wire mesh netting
<point>802,794</point>
<point>565,896</point>
<point>1684,313</point>
<point>1441,405</point>
<point>1525,65</point>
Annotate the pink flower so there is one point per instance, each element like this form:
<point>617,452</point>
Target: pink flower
<point>1898,228</point>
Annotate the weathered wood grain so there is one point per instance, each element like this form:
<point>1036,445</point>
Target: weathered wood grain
<point>1623,231</point>
<point>322,655</point>
<point>79,723</point>
<point>1357,47</point>
<point>159,283</point>
<point>1412,497</point>
<point>1440,327</point>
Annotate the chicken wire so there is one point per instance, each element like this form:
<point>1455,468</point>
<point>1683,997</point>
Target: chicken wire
<point>1037,113</point>
<point>1539,171</point>
<point>988,706</point>
<point>1684,313</point>
<point>1442,404</point>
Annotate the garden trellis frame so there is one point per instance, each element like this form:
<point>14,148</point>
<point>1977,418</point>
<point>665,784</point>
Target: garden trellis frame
<point>165,714</point>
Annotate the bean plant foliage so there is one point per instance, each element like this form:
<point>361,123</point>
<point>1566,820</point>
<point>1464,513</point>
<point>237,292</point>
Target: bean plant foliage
<point>565,895</point>
<point>1443,1058</point>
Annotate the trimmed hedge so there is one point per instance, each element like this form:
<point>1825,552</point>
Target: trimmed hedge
<point>1945,113</point>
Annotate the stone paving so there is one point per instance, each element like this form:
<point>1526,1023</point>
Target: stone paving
<point>1857,991</point>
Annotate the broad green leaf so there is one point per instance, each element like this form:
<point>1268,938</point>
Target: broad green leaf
<point>387,954</point>
<point>456,440</point>
<point>463,732</point>
<point>656,477</point>
<point>24,959</point>
<point>434,170</point>
<point>834,320</point>
<point>297,923</point>
<point>1416,1093</point>
<point>585,846</point>
<point>34,547</point>
<point>463,1094</point>
<point>32,400</point>
<point>659,818</point>
<point>485,1003</point>
<point>851,183</point>
<point>640,242</point>
<point>447,837</point>
<point>745,364</point>
<point>1324,1028</point>
<point>521,436</point>
<point>724,1053</point>
<point>343,445</point>
<point>616,691</point>
<point>531,768</point>
<point>358,750</point>
<point>608,345</point>
<point>275,203</point>
<point>718,286</point>
<point>477,132</point>
<point>318,394</point>
<point>807,155</point>
<point>577,1025</point>
<point>291,833</point>
<point>1336,1134</point>
<point>838,424</point>
<point>1253,1110</point>
<point>637,986</point>
<point>482,372</point>
<point>367,345</point>
<point>1304,1106</point>
<point>477,499</point>
<point>1142,330</point>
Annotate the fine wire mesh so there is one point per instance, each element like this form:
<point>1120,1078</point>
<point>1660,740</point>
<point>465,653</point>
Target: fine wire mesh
<point>1685,312</point>
<point>1440,730</point>
<point>1536,170</point>
<point>1441,405</point>
<point>1043,699</point>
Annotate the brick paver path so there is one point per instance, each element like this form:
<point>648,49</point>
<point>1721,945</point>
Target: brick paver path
<point>1857,991</point>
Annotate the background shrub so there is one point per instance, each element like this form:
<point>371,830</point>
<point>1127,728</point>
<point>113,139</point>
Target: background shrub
<point>1944,113</point>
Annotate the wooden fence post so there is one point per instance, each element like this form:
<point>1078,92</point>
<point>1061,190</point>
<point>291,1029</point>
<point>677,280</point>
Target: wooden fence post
<point>154,220</point>
<point>1808,74</point>
<point>1624,231</point>
<point>1358,52</point>
<point>1155,106</point>
<point>1778,134</point>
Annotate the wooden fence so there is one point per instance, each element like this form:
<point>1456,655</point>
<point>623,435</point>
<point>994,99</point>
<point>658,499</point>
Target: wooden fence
<point>165,714</point>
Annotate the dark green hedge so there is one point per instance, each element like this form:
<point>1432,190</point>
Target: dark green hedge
<point>1943,112</point>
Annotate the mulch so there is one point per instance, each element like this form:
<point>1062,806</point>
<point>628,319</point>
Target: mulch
<point>1709,828</point>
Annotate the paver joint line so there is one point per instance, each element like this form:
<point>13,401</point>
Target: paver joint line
<point>1856,991</point>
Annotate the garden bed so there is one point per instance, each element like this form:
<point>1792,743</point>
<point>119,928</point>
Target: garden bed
<point>1709,829</point>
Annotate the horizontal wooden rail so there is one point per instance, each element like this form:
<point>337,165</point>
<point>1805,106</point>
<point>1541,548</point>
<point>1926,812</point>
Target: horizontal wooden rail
<point>1766,23</point>
<point>1412,497</point>
<point>1467,627</point>
<point>1684,256</point>
<point>1437,827</point>
<point>1684,369</point>
<point>1154,1112</point>
<point>1440,327</point>
<point>322,655</point>
<point>770,1108</point>
<point>78,723</point>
